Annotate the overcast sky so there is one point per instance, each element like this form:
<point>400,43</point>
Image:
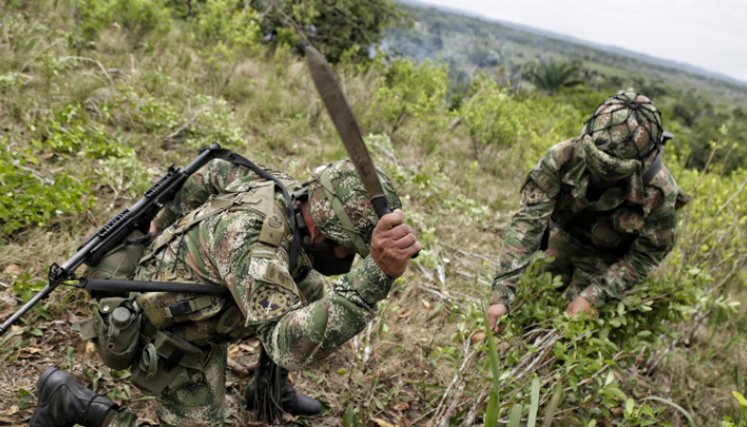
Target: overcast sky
<point>711,34</point>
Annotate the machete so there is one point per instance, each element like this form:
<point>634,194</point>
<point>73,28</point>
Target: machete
<point>347,127</point>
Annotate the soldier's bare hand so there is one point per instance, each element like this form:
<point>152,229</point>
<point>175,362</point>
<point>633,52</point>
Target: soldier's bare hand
<point>393,243</point>
<point>578,305</point>
<point>495,312</point>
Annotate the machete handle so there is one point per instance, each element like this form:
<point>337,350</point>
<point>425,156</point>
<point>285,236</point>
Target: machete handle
<point>381,207</point>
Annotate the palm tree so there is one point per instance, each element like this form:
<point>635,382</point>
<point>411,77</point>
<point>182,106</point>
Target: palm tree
<point>551,76</point>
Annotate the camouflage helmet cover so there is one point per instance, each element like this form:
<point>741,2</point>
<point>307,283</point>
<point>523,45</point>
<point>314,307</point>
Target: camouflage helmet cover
<point>626,125</point>
<point>620,138</point>
<point>340,207</point>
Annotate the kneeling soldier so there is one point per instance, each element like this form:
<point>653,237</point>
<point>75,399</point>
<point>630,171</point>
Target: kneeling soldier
<point>227,227</point>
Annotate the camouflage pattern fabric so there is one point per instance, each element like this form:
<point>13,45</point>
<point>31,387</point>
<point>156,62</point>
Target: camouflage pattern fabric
<point>232,232</point>
<point>340,207</point>
<point>602,245</point>
<point>626,126</point>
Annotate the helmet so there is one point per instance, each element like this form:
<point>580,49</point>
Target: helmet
<point>340,207</point>
<point>626,126</point>
<point>619,138</point>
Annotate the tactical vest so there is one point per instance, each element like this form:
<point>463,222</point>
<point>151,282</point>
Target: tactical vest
<point>611,222</point>
<point>158,334</point>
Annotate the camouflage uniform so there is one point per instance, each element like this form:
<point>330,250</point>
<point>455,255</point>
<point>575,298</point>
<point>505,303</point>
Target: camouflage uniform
<point>606,240</point>
<point>227,227</point>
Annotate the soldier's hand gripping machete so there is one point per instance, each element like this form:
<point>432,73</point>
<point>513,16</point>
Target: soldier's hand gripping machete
<point>347,127</point>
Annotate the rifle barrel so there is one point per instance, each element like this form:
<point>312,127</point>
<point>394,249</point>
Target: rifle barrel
<point>30,303</point>
<point>116,229</point>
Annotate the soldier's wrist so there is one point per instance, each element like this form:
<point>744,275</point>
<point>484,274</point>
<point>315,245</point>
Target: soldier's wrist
<point>374,284</point>
<point>595,296</point>
<point>502,295</point>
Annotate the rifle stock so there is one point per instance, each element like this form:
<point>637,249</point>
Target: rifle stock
<point>136,217</point>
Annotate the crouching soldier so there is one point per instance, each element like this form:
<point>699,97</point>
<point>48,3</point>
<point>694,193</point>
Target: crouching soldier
<point>602,205</point>
<point>228,228</point>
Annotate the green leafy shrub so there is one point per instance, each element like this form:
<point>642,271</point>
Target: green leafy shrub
<point>33,194</point>
<point>409,93</point>
<point>69,131</point>
<point>138,18</point>
<point>342,30</point>
<point>490,117</point>
<point>225,29</point>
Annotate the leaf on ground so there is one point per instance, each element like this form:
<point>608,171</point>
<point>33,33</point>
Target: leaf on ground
<point>381,423</point>
<point>401,406</point>
<point>478,337</point>
<point>13,270</point>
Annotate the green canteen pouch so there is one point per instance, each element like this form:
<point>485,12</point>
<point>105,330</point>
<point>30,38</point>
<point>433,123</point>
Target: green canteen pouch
<point>166,362</point>
<point>115,327</point>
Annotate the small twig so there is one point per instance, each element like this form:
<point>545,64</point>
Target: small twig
<point>469,420</point>
<point>184,125</point>
<point>97,62</point>
<point>442,414</point>
<point>367,346</point>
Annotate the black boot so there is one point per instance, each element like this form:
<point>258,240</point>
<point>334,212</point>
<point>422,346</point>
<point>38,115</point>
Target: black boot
<point>63,402</point>
<point>291,401</point>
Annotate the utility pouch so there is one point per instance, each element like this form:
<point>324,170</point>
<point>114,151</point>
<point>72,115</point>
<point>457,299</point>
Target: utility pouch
<point>115,327</point>
<point>164,309</point>
<point>166,362</point>
<point>120,262</point>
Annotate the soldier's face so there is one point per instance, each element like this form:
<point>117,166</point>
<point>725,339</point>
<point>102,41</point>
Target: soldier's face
<point>329,258</point>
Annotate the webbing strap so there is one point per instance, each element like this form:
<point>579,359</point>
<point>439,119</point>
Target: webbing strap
<point>653,169</point>
<point>237,159</point>
<point>339,209</point>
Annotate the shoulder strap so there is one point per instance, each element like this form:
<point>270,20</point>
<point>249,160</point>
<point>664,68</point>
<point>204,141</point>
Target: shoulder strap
<point>653,169</point>
<point>234,158</point>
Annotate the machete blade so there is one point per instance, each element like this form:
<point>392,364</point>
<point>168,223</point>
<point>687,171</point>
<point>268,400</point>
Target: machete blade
<point>347,127</point>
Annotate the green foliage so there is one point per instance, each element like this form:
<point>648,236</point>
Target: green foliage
<point>104,125</point>
<point>350,418</point>
<point>407,92</point>
<point>742,419</point>
<point>497,121</point>
<point>138,18</point>
<point>550,76</point>
<point>340,30</point>
<point>492,411</point>
<point>225,30</point>
<point>490,116</point>
<point>68,131</point>
<point>32,194</point>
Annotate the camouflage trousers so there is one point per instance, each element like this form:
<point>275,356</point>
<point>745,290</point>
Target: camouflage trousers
<point>200,403</point>
<point>575,262</point>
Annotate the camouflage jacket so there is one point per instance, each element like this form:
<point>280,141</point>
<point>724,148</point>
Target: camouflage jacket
<point>634,223</point>
<point>227,227</point>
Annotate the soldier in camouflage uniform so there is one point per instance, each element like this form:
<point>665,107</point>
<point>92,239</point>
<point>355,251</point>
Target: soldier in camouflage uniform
<point>604,204</point>
<point>227,227</point>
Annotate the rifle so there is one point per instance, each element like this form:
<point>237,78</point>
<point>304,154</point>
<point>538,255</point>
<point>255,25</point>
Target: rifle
<point>136,217</point>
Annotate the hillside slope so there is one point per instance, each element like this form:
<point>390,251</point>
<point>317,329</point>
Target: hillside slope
<point>95,105</point>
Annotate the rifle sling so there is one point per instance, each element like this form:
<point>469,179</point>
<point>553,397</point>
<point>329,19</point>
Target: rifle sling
<point>143,286</point>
